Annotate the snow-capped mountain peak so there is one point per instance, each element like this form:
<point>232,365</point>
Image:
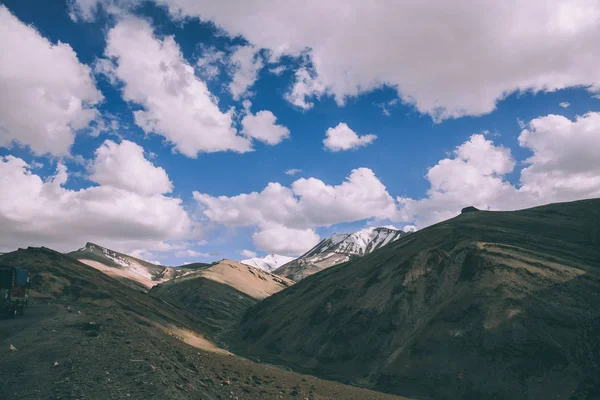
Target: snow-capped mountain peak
<point>268,263</point>
<point>357,243</point>
<point>337,249</point>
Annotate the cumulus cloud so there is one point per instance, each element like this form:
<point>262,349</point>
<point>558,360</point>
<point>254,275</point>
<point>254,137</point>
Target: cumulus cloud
<point>47,94</point>
<point>245,64</point>
<point>263,126</point>
<point>176,104</point>
<point>564,104</point>
<point>36,211</point>
<point>285,241</point>
<point>343,138</point>
<point>457,58</point>
<point>409,228</point>
<point>563,167</point>
<point>307,204</point>
<point>473,176</point>
<point>248,253</point>
<point>124,166</point>
<point>292,171</point>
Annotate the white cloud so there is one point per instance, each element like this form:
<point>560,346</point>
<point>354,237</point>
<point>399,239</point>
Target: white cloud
<point>124,166</point>
<point>409,228</point>
<point>293,171</point>
<point>563,167</point>
<point>176,104</point>
<point>248,253</point>
<point>285,241</point>
<point>343,138</point>
<point>278,70</point>
<point>473,176</point>
<point>47,94</point>
<point>36,212</point>
<point>307,204</point>
<point>190,253</point>
<point>245,63</point>
<point>385,107</point>
<point>306,85</point>
<point>262,126</point>
<point>449,59</point>
<point>210,62</point>
<point>564,104</point>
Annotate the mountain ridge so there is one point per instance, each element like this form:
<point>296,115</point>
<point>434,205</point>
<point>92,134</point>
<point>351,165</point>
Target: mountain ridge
<point>485,305</point>
<point>128,269</point>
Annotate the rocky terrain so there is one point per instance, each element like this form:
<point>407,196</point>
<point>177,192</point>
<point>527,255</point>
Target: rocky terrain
<point>487,305</point>
<point>337,249</point>
<point>89,336</point>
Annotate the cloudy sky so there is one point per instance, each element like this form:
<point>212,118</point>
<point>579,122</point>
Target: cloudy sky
<point>193,130</point>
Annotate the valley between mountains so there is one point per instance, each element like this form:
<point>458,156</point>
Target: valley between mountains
<point>487,305</point>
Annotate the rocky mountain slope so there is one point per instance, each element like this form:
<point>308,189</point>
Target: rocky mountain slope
<point>87,336</point>
<point>338,248</point>
<point>221,293</point>
<point>268,263</point>
<point>502,305</point>
<point>128,269</point>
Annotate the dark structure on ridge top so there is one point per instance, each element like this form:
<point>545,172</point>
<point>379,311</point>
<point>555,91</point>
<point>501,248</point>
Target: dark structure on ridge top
<point>469,210</point>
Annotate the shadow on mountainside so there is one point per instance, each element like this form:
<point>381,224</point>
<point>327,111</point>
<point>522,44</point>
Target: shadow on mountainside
<point>87,336</point>
<point>501,305</point>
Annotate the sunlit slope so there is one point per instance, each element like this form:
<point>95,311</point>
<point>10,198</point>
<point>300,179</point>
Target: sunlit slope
<point>221,293</point>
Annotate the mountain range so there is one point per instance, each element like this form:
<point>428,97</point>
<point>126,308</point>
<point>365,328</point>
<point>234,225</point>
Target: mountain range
<point>89,335</point>
<point>502,305</point>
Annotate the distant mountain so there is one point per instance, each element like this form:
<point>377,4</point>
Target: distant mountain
<point>338,248</point>
<point>268,263</point>
<point>487,305</point>
<point>220,293</point>
<point>128,269</point>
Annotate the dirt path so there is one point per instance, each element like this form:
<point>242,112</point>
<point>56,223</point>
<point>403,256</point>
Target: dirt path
<point>33,315</point>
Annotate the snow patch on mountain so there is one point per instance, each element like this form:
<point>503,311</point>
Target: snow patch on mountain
<point>268,263</point>
<point>118,264</point>
<point>337,249</point>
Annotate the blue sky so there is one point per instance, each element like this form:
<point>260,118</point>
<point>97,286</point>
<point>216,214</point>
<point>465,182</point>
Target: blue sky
<point>429,114</point>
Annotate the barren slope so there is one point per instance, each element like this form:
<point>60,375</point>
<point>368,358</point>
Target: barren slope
<point>87,336</point>
<point>502,305</point>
